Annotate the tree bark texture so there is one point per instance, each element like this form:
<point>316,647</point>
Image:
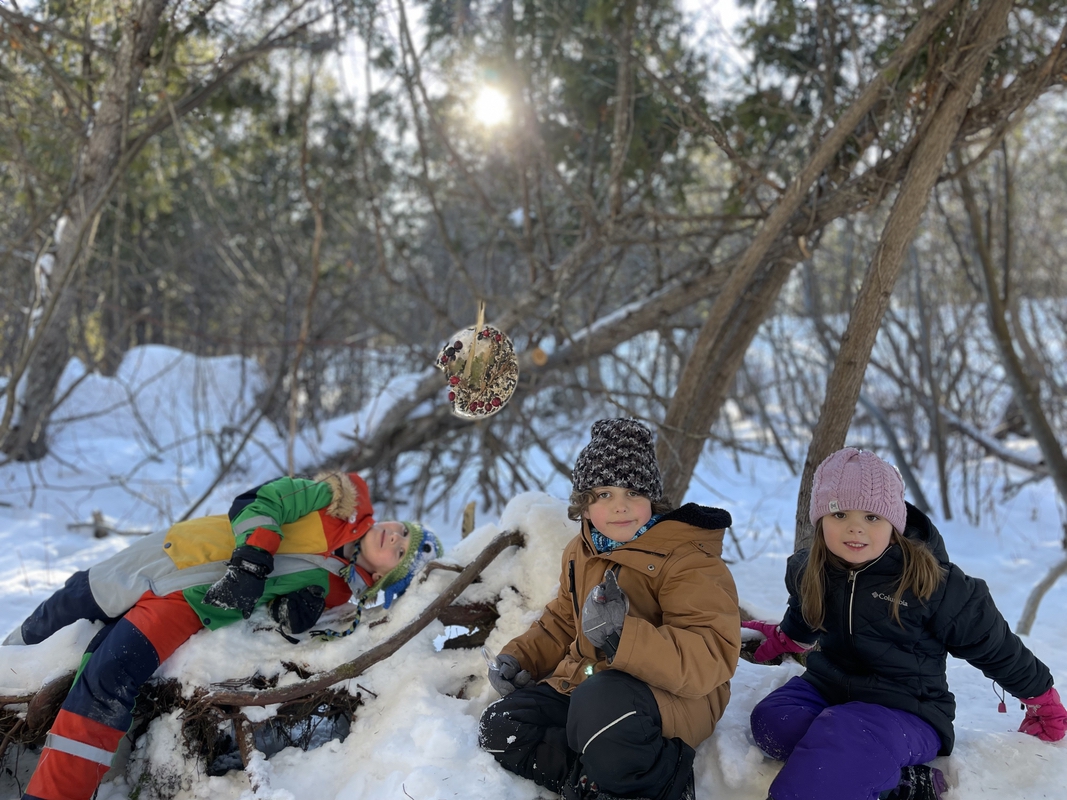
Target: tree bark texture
<point>104,146</point>
<point>622,130</point>
<point>935,138</point>
<point>674,447</point>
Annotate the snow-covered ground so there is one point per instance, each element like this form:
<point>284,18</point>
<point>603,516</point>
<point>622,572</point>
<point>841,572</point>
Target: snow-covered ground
<point>143,465</point>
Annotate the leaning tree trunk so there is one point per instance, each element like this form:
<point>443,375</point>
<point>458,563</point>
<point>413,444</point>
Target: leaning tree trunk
<point>687,422</point>
<point>732,342</point>
<point>400,430</point>
<point>26,437</point>
<point>935,139</point>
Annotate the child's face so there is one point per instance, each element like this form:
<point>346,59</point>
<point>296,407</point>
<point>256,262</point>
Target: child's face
<point>618,513</point>
<point>382,548</point>
<point>856,536</point>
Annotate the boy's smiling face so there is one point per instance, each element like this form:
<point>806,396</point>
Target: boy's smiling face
<point>382,548</point>
<point>618,513</point>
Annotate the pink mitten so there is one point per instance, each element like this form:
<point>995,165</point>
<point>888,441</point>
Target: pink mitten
<point>1045,717</point>
<point>776,642</point>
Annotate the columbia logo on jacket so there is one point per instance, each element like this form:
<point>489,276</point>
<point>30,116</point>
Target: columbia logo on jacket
<point>880,596</point>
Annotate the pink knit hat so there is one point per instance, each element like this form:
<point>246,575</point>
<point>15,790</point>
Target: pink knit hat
<point>858,480</point>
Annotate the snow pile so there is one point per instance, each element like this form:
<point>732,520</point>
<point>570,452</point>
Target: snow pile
<point>412,731</point>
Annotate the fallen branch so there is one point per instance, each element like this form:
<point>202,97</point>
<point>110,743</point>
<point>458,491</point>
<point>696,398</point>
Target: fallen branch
<point>993,446</point>
<point>29,726</point>
<point>10,736</point>
<point>253,760</point>
<point>246,744</point>
<point>43,704</point>
<point>42,700</point>
<point>356,667</point>
<point>100,529</point>
<point>439,565</point>
<point>1026,621</point>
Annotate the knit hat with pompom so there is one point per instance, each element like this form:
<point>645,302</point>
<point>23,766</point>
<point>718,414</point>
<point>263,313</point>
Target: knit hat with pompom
<point>424,547</point>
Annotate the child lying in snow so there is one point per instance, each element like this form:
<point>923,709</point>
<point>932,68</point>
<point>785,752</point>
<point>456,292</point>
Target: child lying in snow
<point>301,546</point>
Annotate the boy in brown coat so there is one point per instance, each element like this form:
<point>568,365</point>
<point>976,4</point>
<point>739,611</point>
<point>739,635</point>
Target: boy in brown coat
<point>628,668</point>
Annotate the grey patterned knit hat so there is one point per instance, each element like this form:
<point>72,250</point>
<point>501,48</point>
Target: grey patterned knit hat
<point>620,453</point>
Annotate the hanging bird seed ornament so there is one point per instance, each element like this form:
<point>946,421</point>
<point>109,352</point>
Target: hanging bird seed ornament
<point>482,370</point>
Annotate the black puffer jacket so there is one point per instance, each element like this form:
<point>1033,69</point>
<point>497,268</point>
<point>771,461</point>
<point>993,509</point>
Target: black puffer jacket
<point>864,655</point>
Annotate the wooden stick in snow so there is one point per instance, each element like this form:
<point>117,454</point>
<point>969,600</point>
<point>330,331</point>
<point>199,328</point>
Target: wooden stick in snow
<point>43,704</point>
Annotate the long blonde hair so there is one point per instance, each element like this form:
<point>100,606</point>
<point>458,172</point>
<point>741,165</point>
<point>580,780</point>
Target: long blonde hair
<point>922,574</point>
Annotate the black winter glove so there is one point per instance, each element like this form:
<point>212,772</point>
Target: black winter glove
<point>603,614</point>
<point>506,675</point>
<point>297,611</point>
<point>242,585</point>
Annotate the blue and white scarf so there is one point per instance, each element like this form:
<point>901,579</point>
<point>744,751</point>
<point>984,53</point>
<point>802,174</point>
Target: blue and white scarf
<point>605,545</point>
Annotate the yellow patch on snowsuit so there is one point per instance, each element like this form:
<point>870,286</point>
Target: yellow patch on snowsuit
<point>206,539</point>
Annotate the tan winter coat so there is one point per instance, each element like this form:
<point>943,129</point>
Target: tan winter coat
<point>681,636</point>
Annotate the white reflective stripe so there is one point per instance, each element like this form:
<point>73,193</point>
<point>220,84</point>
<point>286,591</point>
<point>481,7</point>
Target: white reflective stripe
<point>610,724</point>
<point>252,523</point>
<point>297,562</point>
<point>80,749</point>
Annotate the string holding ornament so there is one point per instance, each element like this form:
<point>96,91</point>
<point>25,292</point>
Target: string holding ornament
<point>481,368</point>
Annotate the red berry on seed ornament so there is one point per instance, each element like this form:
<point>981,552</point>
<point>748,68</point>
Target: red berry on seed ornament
<point>481,368</point>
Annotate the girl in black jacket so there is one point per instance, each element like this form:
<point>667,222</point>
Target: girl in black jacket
<point>878,595</point>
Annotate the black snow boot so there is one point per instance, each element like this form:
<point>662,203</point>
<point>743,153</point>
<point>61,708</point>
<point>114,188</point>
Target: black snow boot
<point>583,789</point>
<point>690,791</point>
<point>577,786</point>
<point>918,783</point>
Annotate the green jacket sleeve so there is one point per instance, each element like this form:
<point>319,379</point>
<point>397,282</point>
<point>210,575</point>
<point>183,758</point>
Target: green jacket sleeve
<point>277,503</point>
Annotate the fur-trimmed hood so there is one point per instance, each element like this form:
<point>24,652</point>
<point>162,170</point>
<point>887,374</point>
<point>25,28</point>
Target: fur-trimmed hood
<point>346,498</point>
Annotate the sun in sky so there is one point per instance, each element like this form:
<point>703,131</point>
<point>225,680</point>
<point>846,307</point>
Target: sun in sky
<point>491,107</point>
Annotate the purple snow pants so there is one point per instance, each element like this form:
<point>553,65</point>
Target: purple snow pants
<point>850,751</point>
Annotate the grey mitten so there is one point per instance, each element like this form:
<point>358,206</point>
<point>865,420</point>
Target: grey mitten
<point>604,613</point>
<point>506,675</point>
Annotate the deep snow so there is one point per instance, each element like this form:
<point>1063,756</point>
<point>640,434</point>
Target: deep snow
<point>142,446</point>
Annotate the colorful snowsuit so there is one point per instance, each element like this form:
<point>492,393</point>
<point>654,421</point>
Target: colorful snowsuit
<point>630,725</point>
<point>875,695</point>
<point>150,597</point>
